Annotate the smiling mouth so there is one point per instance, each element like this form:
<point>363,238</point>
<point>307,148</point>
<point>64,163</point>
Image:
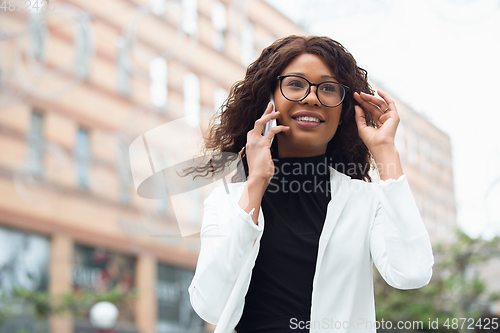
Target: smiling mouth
<point>309,119</point>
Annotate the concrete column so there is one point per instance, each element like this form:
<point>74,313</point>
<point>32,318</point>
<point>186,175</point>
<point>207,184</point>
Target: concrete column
<point>60,279</point>
<point>146,305</point>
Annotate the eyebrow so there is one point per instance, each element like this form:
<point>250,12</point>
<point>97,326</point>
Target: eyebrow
<point>325,76</point>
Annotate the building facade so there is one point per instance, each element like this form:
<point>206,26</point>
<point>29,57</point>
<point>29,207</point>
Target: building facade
<point>81,81</point>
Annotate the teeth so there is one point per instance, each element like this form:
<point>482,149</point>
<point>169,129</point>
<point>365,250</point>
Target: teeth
<point>309,119</point>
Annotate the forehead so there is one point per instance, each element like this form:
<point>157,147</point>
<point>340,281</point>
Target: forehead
<point>308,64</point>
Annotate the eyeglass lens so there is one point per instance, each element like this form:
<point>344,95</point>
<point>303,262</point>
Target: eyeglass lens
<point>295,88</point>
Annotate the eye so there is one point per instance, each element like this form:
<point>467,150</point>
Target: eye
<point>328,87</point>
<point>295,84</point>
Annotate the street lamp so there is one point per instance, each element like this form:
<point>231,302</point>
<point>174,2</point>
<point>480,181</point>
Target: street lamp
<point>103,316</point>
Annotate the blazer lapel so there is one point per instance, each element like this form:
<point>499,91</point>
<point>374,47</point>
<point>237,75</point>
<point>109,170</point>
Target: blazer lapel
<point>341,189</point>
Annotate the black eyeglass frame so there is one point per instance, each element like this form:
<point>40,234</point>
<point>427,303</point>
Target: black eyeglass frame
<point>281,77</point>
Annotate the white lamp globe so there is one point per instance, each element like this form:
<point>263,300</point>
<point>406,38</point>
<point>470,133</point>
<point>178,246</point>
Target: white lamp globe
<point>103,315</point>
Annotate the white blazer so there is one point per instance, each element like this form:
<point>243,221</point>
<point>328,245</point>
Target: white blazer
<point>365,223</point>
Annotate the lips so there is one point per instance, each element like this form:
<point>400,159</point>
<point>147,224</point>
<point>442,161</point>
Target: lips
<point>308,114</point>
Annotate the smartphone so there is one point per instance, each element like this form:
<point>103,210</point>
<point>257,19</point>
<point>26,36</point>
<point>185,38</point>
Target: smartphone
<point>272,123</point>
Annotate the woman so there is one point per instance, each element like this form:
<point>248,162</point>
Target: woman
<point>309,266</point>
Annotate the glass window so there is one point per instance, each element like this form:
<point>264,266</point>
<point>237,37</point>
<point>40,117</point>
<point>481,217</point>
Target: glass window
<point>101,270</point>
<point>38,33</point>
<point>175,313</point>
<point>83,47</point>
<point>164,202</point>
<point>123,67</point>
<point>437,153</point>
<point>429,213</point>
<point>425,153</point>
<point>247,44</point>
<point>412,154</point>
<point>158,77</point>
<point>24,263</point>
<point>192,98</point>
<point>24,260</point>
<point>190,17</point>
<point>34,162</point>
<point>123,166</point>
<point>82,158</point>
<point>219,22</point>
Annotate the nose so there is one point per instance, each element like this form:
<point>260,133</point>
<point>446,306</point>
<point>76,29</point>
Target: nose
<point>311,98</point>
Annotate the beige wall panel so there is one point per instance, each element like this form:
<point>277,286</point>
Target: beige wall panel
<point>17,117</point>
<point>13,152</point>
<point>60,130</point>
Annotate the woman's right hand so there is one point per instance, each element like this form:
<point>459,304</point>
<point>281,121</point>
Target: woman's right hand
<point>258,147</point>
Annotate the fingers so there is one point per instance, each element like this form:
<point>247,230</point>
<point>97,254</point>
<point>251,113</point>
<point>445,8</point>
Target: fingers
<point>260,123</point>
<point>373,109</point>
<point>378,108</point>
<point>388,100</point>
<point>381,104</point>
<point>360,117</point>
<point>273,131</point>
<point>372,104</point>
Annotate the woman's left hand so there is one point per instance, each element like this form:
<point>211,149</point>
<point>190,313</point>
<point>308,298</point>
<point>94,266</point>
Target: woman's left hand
<point>385,115</point>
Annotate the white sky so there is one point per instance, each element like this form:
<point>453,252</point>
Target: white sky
<point>442,58</point>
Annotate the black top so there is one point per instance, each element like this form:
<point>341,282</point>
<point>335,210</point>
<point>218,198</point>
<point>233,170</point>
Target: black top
<point>294,206</point>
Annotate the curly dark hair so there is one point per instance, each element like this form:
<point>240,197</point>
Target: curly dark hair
<point>248,99</point>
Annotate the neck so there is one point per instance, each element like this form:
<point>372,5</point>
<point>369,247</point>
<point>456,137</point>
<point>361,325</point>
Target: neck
<point>287,150</point>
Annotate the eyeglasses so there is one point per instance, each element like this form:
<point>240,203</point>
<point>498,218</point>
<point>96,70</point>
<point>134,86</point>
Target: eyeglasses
<point>295,88</point>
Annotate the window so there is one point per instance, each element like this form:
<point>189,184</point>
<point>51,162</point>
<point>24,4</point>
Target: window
<point>247,44</point>
<point>123,167</point>
<point>38,33</point>
<point>425,153</point>
<point>34,161</point>
<point>428,211</point>
<point>437,153</point>
<point>190,17</point>
<point>175,313</point>
<point>163,203</point>
<point>101,270</point>
<point>412,155</point>
<point>83,46</point>
<point>158,87</point>
<point>219,22</point>
<point>220,96</point>
<point>123,67</point>
<point>192,98</point>
<point>82,158</point>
